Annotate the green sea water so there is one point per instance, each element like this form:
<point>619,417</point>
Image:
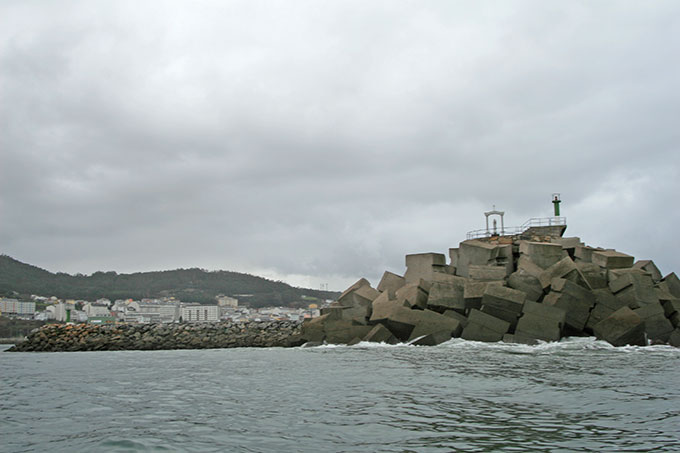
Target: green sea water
<point>576,395</point>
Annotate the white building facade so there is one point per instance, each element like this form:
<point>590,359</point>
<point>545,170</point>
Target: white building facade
<point>200,313</point>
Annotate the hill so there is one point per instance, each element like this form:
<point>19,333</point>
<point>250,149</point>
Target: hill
<point>191,285</point>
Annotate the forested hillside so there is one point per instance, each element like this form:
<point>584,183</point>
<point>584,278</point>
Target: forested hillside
<point>194,285</point>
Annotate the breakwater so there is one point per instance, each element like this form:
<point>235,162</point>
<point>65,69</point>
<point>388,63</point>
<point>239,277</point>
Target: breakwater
<point>115,337</point>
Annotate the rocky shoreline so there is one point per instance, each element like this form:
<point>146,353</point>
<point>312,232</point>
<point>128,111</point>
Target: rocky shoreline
<point>116,337</point>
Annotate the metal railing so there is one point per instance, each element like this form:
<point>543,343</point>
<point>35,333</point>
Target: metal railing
<point>513,231</point>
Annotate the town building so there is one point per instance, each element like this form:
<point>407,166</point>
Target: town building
<point>16,307</point>
<point>200,313</point>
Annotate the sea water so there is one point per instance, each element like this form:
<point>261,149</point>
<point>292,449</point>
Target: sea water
<point>576,395</point>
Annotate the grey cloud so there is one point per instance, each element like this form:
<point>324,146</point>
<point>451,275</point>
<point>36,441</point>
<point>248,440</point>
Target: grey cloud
<point>328,139</point>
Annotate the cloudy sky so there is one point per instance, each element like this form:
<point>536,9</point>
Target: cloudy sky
<point>321,141</point>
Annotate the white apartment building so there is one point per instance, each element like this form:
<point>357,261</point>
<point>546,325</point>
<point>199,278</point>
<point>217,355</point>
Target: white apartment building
<point>92,310</point>
<point>13,306</point>
<point>200,313</point>
<point>226,301</point>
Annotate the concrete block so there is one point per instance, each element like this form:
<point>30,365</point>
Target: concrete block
<point>354,341</point>
<point>623,327</point>
<point>355,286</point>
<point>475,252</point>
<point>312,330</point>
<point>445,296</point>
<point>343,331</point>
<point>525,265</point>
<point>662,292</point>
<point>478,319</point>
<point>383,307</point>
<point>649,267</point>
<point>456,315</point>
<point>674,338</point>
<point>391,282</point>
<point>636,294</point>
<point>671,306</point>
<point>429,322</point>
<point>611,259</point>
<point>487,273</point>
<point>535,326</point>
<point>584,253</point>
<point>527,283</point>
<point>503,298</point>
<point>549,313</point>
<point>675,319</point>
<point>414,295</point>
<point>595,275</point>
<point>380,334</point>
<point>519,339</point>
<point>473,292</point>
<point>605,304</point>
<point>478,332</point>
<point>658,329</point>
<point>565,269</point>
<point>433,339</point>
<point>575,300</point>
<point>650,310</point>
<point>673,283</point>
<point>543,254</point>
<point>448,278</point>
<point>453,255</point>
<point>604,297</point>
<point>568,244</point>
<point>422,266</point>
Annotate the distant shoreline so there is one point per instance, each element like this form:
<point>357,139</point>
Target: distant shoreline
<point>12,340</point>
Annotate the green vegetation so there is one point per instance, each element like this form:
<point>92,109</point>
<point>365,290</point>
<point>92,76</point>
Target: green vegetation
<point>190,285</point>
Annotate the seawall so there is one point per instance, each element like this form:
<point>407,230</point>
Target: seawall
<point>116,337</point>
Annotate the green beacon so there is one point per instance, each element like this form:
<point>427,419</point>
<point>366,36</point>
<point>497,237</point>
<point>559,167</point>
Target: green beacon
<point>556,203</point>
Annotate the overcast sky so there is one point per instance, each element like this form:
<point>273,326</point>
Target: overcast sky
<point>321,141</point>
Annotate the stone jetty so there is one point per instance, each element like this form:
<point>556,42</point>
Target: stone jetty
<point>114,337</point>
<point>530,287</point>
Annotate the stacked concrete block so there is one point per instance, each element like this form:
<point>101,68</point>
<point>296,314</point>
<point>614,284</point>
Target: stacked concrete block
<point>475,252</point>
<point>457,315</point>
<point>623,327</point>
<point>672,311</point>
<point>503,289</point>
<point>569,245</point>
<point>344,331</point>
<point>541,322</point>
<point>487,273</point>
<point>564,269</point>
<point>414,295</point>
<point>542,254</point>
<point>380,334</point>
<point>611,259</point>
<point>605,304</point>
<point>446,296</point>
<point>391,282</point>
<point>484,327</point>
<point>657,327</point>
<point>423,266</point>
<point>635,289</point>
<point>428,322</point>
<point>503,303</point>
<point>672,282</point>
<point>649,267</point>
<point>527,266</point>
<point>574,299</point>
<point>473,291</point>
<point>453,256</point>
<point>522,280</point>
<point>595,276</point>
